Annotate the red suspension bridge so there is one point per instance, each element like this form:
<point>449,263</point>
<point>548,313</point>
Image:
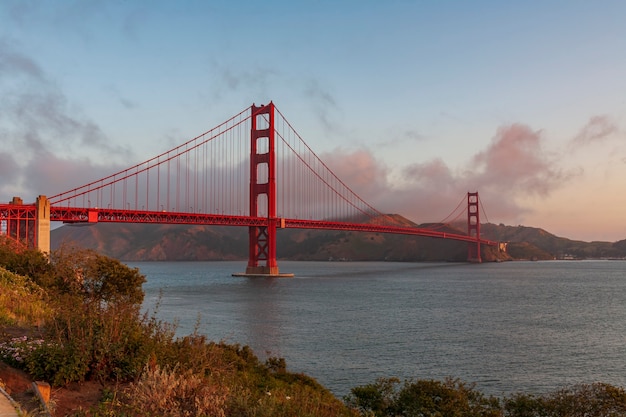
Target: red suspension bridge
<point>253,170</point>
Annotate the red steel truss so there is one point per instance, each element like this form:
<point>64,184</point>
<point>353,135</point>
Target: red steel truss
<point>18,222</point>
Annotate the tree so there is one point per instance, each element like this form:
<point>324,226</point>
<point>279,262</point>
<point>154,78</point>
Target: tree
<point>377,399</point>
<point>97,278</point>
<point>20,260</point>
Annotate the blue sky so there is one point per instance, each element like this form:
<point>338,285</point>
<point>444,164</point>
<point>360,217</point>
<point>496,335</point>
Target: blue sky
<point>522,101</point>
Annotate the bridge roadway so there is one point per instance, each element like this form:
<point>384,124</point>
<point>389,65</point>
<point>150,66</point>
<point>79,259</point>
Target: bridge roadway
<point>97,215</point>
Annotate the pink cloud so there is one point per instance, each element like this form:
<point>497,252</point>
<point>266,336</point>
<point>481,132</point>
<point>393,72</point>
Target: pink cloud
<point>359,170</point>
<point>515,162</point>
<point>514,166</point>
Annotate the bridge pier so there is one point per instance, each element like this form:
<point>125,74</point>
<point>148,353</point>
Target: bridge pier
<point>42,224</point>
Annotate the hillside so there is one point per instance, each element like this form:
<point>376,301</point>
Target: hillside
<point>157,242</point>
<point>533,243</point>
<point>140,242</point>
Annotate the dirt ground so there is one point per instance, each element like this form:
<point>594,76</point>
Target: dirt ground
<point>63,401</point>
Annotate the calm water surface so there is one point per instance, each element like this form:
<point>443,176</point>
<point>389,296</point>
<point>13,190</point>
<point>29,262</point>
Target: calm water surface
<point>508,327</point>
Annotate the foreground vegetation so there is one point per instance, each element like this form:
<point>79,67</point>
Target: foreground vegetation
<point>83,312</point>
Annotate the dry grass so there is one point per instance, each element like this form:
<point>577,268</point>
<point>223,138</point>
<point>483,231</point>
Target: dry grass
<point>21,301</point>
<point>171,392</point>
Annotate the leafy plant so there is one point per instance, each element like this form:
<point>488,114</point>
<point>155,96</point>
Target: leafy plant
<point>17,258</point>
<point>451,397</point>
<point>21,301</point>
<point>584,400</point>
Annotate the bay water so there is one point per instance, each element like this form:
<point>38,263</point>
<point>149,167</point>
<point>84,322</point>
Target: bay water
<point>510,327</point>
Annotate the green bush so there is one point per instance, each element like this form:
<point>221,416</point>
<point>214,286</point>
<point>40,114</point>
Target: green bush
<point>449,398</point>
<point>18,259</point>
<point>22,302</point>
<point>584,400</point>
<point>95,329</point>
<point>95,278</point>
<point>377,399</point>
<point>454,398</point>
<point>422,398</point>
<point>92,342</point>
<point>59,364</point>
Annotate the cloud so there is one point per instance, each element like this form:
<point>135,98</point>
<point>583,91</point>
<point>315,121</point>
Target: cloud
<point>38,127</point>
<point>515,162</point>
<point>8,168</point>
<point>512,168</point>
<point>52,174</point>
<point>359,170</point>
<point>597,130</point>
<point>407,136</point>
<point>15,64</point>
<point>255,83</point>
<point>324,105</point>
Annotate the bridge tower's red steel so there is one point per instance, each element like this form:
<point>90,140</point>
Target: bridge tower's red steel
<point>473,227</point>
<point>262,239</point>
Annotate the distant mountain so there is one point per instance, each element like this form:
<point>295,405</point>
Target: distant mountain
<point>146,242</point>
<point>533,243</point>
<point>156,242</point>
<point>359,246</point>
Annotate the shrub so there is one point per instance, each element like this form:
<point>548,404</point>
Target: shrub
<point>585,400</point>
<point>31,263</point>
<point>15,351</point>
<point>376,399</point>
<point>21,301</point>
<point>87,341</point>
<point>94,328</point>
<point>59,364</point>
<point>171,392</point>
<point>96,278</point>
<point>449,398</point>
<point>422,398</point>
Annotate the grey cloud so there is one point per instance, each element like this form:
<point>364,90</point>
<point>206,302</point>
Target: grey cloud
<point>15,64</point>
<point>227,80</point>
<point>37,126</point>
<point>324,105</point>
<point>597,130</point>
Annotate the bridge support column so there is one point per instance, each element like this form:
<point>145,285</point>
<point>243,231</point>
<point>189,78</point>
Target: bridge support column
<point>43,224</point>
<point>473,228</point>
<point>262,239</point>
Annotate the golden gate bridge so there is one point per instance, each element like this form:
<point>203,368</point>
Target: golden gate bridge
<point>253,170</point>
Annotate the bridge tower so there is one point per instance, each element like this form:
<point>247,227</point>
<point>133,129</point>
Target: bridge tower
<point>473,228</point>
<point>262,238</point>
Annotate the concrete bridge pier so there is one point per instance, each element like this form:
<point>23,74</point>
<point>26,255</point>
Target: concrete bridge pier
<point>42,224</point>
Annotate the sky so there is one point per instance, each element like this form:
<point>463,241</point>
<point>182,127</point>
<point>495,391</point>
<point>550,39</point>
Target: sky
<point>412,103</point>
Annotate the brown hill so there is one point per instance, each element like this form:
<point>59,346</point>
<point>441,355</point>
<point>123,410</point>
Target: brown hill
<point>534,243</point>
<point>137,242</point>
<point>152,242</point>
<point>144,242</point>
